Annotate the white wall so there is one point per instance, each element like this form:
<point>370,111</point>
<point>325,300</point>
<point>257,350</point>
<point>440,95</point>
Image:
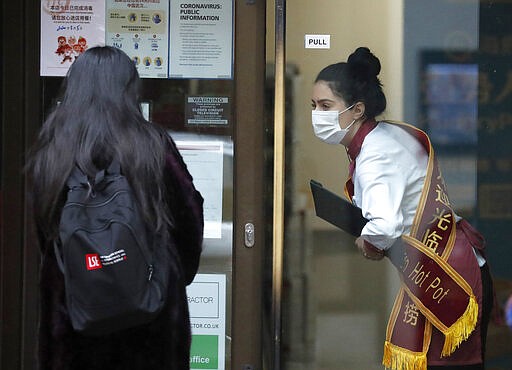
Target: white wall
<point>375,24</point>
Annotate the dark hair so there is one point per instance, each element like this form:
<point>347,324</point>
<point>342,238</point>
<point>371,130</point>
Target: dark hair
<point>356,80</point>
<point>97,120</point>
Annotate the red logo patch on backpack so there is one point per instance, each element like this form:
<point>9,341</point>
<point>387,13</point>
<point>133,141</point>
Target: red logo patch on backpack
<point>92,261</point>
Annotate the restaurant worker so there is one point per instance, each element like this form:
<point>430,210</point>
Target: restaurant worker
<point>442,310</point>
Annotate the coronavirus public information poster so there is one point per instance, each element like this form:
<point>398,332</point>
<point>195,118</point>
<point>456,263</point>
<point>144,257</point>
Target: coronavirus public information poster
<point>201,39</point>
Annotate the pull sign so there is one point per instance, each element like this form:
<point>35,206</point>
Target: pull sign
<point>317,41</point>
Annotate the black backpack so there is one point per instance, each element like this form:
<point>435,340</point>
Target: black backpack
<point>113,280</point>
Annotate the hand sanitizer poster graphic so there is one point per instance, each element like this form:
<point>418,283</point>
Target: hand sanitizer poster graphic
<point>140,29</point>
<point>68,28</point>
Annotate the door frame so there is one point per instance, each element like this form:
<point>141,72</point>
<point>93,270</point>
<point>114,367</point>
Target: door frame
<point>19,256</point>
<point>20,122</point>
<point>249,198</point>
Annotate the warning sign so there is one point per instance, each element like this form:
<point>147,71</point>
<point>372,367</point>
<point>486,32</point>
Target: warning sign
<point>207,110</point>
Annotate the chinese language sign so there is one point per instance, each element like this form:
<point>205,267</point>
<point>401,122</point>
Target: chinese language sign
<point>68,28</point>
<point>139,28</point>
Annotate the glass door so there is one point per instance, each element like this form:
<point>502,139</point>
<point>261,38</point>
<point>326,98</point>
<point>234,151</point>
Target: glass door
<point>217,121</point>
<point>445,69</point>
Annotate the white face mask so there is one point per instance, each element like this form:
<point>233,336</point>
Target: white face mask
<point>326,125</point>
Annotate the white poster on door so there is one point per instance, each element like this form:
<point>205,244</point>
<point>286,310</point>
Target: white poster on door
<point>207,305</point>
<point>204,161</point>
<point>201,33</point>
<point>68,28</point>
<point>141,29</point>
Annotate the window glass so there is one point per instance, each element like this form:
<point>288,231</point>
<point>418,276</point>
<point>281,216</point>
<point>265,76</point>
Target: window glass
<point>446,70</point>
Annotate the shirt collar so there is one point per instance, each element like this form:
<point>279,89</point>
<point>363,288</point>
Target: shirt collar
<point>354,147</point>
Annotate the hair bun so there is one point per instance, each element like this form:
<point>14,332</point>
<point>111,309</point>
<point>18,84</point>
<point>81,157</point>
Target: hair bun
<point>363,64</point>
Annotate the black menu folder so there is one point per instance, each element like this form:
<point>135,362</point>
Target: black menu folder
<point>336,210</point>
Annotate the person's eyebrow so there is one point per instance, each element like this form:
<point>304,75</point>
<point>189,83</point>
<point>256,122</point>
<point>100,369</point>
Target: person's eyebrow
<point>323,101</point>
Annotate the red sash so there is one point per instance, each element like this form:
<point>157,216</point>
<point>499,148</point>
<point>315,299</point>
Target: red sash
<point>431,292</point>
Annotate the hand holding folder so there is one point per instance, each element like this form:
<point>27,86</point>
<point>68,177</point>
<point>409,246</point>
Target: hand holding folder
<point>336,210</point>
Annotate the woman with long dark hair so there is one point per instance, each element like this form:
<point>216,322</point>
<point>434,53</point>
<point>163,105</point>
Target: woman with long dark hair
<point>98,120</point>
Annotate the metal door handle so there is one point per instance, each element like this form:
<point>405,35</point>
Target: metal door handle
<point>249,235</point>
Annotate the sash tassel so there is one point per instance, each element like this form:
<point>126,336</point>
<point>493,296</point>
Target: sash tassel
<point>461,329</point>
<point>398,358</point>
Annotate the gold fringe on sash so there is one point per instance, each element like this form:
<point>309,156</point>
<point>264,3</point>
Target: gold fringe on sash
<point>461,329</point>
<point>397,358</point>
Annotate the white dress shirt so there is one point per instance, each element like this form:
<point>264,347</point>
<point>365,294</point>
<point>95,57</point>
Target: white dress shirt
<point>388,181</point>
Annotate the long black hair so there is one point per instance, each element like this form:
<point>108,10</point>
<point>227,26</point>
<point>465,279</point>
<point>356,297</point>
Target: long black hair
<point>356,80</point>
<point>99,119</point>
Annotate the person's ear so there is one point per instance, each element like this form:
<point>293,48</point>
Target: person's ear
<point>359,110</point>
